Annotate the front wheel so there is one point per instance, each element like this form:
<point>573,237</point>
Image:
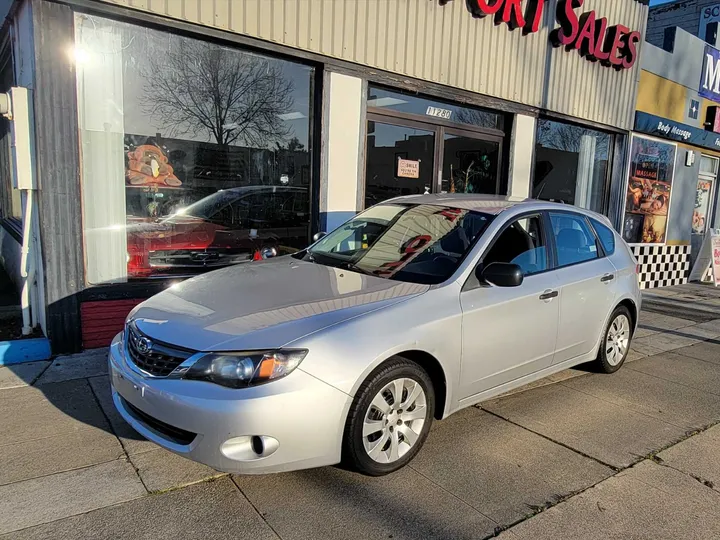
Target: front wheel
<point>615,344</point>
<point>389,419</point>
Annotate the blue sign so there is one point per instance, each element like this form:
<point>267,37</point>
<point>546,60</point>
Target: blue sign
<point>669,129</point>
<point>710,74</point>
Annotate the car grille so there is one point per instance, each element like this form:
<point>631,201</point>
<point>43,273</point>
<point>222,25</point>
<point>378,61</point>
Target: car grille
<point>172,433</point>
<point>193,259</point>
<point>160,360</point>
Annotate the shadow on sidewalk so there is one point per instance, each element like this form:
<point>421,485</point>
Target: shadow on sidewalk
<point>81,392</point>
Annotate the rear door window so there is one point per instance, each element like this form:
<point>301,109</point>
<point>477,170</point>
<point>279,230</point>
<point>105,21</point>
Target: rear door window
<point>574,240</point>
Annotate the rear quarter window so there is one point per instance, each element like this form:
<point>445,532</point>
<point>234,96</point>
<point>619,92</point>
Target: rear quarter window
<point>606,236</point>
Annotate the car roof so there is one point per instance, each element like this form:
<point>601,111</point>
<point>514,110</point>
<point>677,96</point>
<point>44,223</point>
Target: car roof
<point>489,204</point>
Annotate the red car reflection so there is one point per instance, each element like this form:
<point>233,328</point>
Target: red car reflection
<point>227,227</point>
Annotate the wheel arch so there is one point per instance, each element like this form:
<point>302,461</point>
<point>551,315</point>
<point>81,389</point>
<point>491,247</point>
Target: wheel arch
<point>435,371</point>
<point>632,308</point>
<point>425,360</point>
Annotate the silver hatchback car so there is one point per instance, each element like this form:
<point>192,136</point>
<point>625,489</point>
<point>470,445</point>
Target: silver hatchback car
<point>347,351</point>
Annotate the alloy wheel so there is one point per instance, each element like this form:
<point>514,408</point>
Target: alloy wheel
<point>394,420</point>
<point>618,340</point>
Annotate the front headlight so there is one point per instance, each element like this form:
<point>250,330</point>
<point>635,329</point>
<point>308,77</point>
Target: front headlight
<point>242,369</point>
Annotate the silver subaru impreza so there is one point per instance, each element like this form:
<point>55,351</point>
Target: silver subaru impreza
<point>348,350</point>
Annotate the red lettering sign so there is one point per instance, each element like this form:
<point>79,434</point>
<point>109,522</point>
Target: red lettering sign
<point>614,46</point>
<point>509,12</point>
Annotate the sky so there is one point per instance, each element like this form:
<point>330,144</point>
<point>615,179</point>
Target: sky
<point>656,2</point>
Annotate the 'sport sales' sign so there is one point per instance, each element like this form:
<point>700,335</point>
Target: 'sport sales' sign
<point>613,46</point>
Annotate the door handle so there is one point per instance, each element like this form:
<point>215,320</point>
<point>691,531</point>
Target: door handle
<point>607,278</point>
<point>549,295</point>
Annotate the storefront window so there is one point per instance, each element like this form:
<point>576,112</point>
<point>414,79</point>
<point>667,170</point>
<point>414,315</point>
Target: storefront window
<point>571,165</point>
<point>194,155</point>
<point>652,166</point>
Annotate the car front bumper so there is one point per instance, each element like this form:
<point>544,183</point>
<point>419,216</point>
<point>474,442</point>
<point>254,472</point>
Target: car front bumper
<point>299,418</point>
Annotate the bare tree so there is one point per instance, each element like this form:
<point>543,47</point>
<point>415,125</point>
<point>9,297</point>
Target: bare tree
<point>568,138</point>
<point>198,88</point>
<point>477,118</point>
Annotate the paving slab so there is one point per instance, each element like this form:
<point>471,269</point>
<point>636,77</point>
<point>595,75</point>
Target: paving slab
<point>49,411</point>
<point>697,456</point>
<point>21,374</point>
<point>676,404</point>
<point>664,342</point>
<point>500,469</point>
<point>662,322</point>
<point>707,350</point>
<point>76,366</point>
<point>212,510</point>
<point>49,455</point>
<point>336,504</point>
<point>131,440</point>
<point>161,470</point>
<point>41,500</point>
<point>611,433</point>
<point>676,368</point>
<point>647,501</point>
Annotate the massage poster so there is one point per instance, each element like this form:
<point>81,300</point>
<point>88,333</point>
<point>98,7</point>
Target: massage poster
<point>652,165</point>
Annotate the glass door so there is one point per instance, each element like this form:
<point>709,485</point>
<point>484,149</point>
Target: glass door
<point>701,214</point>
<point>470,164</point>
<point>400,160</point>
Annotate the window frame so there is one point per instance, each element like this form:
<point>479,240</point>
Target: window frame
<point>583,217</point>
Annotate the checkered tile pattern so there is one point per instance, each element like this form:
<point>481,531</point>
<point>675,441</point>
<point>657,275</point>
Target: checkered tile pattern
<point>662,266</point>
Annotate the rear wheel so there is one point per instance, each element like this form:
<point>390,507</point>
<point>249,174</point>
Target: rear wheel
<point>389,419</point>
<point>615,345</point>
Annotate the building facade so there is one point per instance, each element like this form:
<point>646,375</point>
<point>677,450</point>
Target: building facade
<point>172,137</point>
<point>700,18</point>
<point>672,193</point>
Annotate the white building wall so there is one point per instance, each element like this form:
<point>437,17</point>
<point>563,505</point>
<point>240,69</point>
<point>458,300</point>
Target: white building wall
<point>343,122</point>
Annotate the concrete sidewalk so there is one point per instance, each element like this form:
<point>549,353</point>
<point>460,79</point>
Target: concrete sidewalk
<point>578,455</point>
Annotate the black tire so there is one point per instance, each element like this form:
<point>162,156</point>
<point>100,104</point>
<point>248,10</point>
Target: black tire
<point>354,454</point>
<point>604,362</point>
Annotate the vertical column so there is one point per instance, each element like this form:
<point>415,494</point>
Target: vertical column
<point>522,151</point>
<point>343,127</point>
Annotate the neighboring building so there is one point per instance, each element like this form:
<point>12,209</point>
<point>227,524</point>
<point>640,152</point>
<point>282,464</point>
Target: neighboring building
<point>672,198</point>
<point>700,18</point>
<point>172,137</point>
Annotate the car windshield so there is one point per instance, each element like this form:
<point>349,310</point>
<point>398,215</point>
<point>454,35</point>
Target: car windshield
<point>418,243</point>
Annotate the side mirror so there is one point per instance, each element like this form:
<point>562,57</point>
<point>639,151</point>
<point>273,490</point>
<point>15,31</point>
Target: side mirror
<point>317,236</point>
<point>501,274</point>
<point>268,252</point>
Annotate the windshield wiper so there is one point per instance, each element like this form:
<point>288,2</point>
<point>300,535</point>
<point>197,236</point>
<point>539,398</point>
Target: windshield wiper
<point>355,268</point>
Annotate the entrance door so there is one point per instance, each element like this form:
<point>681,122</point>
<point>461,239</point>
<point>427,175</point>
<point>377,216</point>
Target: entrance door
<point>703,211</point>
<point>416,144</point>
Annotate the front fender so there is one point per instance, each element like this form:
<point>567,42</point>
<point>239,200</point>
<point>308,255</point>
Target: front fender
<point>345,355</point>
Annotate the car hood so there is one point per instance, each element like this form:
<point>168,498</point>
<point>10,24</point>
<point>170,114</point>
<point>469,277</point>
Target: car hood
<point>262,305</point>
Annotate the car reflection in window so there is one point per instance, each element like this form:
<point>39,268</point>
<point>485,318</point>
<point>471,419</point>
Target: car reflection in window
<point>416,243</point>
